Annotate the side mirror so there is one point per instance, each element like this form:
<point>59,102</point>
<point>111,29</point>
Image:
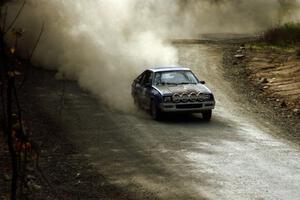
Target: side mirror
<point>202,82</point>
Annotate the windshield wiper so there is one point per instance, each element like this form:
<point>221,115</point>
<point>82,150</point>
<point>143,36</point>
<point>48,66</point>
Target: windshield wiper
<point>182,83</point>
<point>167,83</point>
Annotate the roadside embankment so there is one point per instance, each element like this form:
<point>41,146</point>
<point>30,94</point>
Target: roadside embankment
<point>269,77</point>
<point>276,71</point>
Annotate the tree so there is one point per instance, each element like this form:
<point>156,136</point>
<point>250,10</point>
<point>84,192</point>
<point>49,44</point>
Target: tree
<point>11,112</point>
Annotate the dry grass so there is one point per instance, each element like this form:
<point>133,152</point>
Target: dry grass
<point>287,34</point>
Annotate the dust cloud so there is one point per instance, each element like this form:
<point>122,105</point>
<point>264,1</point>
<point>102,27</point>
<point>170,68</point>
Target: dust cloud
<point>104,44</point>
<point>237,16</point>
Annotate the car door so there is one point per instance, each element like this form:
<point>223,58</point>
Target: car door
<point>138,88</point>
<point>145,89</point>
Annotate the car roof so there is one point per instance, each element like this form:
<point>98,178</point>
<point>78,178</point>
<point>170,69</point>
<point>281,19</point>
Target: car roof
<point>163,69</point>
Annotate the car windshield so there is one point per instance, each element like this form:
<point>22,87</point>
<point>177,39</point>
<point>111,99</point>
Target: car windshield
<point>175,77</point>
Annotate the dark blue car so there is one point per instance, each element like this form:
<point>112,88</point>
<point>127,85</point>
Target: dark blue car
<point>172,89</point>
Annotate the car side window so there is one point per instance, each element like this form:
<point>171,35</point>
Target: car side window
<point>147,78</point>
<point>139,78</point>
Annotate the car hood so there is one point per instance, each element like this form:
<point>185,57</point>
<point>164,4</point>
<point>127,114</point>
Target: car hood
<point>171,89</point>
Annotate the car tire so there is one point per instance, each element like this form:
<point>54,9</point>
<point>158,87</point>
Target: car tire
<point>155,111</point>
<point>206,115</point>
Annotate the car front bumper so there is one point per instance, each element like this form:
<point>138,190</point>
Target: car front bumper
<point>187,107</point>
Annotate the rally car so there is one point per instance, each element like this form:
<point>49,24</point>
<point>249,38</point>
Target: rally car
<point>172,89</point>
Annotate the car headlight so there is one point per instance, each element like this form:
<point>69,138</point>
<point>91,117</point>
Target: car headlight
<point>167,99</point>
<point>185,97</point>
<point>193,96</point>
<point>202,97</point>
<point>176,97</point>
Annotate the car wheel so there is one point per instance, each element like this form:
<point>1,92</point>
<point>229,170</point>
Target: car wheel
<point>207,115</point>
<point>155,111</point>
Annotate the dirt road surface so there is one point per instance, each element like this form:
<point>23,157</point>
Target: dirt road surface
<point>235,156</point>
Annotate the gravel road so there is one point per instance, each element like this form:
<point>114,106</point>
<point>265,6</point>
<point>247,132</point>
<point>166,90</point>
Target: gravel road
<point>237,155</point>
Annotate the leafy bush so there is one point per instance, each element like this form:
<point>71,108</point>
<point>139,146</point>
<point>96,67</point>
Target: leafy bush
<point>287,34</point>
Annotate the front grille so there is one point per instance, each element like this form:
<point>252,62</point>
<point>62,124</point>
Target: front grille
<point>187,106</point>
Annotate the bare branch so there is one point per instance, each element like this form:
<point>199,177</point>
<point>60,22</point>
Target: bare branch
<point>37,42</point>
<point>10,139</point>
<point>15,18</point>
<point>3,103</point>
<point>4,19</point>
<point>19,109</point>
<point>32,52</point>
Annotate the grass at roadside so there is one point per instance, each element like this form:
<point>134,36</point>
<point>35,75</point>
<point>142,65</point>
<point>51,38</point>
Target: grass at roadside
<point>284,38</point>
<point>263,46</point>
<point>285,35</point>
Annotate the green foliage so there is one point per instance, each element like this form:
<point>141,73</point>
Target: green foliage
<point>263,47</point>
<point>287,34</point>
